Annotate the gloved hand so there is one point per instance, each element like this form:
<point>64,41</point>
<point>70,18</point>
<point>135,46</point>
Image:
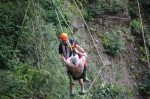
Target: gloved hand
<point>84,54</point>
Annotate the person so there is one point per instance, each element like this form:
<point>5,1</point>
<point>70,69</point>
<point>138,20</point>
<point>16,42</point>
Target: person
<point>66,48</point>
<point>76,66</point>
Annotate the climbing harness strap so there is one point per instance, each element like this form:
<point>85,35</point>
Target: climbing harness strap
<point>72,46</point>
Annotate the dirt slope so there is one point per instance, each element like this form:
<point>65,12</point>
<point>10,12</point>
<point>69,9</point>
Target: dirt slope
<point>125,70</point>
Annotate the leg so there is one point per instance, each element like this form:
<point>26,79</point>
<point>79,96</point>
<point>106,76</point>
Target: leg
<point>70,77</point>
<point>82,86</point>
<point>71,88</point>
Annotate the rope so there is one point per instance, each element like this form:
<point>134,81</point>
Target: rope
<point>62,16</point>
<point>88,30</point>
<point>95,46</point>
<point>143,35</point>
<point>92,40</point>
<point>59,20</point>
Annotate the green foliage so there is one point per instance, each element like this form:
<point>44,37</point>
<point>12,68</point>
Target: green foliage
<point>144,87</point>
<point>81,3</point>
<point>143,58</point>
<point>130,38</point>
<point>28,50</point>
<point>146,10</point>
<point>10,24</point>
<point>136,30</point>
<point>113,43</point>
<point>13,86</point>
<point>93,11</point>
<point>112,7</point>
<point>133,10</point>
<point>132,66</point>
<point>118,74</point>
<point>135,26</point>
<point>30,65</point>
<point>97,8</point>
<point>107,91</point>
<point>23,83</point>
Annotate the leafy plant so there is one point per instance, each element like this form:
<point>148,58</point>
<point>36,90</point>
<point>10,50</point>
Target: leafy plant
<point>133,10</point>
<point>93,11</point>
<point>108,91</point>
<point>112,7</point>
<point>143,58</point>
<point>10,25</point>
<point>132,66</point>
<point>144,87</point>
<point>113,43</point>
<point>135,27</point>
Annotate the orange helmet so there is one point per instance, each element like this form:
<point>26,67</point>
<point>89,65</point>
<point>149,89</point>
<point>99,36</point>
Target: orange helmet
<point>64,36</point>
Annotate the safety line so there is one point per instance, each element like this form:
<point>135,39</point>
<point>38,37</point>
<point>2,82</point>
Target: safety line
<point>88,30</point>
<point>59,20</point>
<point>92,40</point>
<point>104,63</point>
<point>143,34</point>
<point>62,16</point>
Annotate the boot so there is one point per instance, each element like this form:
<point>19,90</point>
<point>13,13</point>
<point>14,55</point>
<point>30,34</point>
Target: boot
<point>72,93</point>
<point>71,79</point>
<point>82,92</point>
<point>85,76</point>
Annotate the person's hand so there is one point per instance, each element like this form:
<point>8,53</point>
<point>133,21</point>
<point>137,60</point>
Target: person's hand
<point>84,54</point>
<point>76,51</point>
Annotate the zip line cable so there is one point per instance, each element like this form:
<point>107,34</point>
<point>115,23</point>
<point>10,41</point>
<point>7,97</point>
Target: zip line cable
<point>62,16</point>
<point>143,34</point>
<point>63,19</point>
<point>59,20</point>
<point>92,40</point>
<point>104,63</point>
<point>88,30</point>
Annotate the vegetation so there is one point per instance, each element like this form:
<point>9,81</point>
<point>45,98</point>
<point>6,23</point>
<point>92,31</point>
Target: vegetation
<point>113,43</point>
<point>30,65</point>
<point>144,87</point>
<point>108,90</point>
<point>28,48</point>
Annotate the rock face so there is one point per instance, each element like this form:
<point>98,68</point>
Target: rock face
<point>116,21</point>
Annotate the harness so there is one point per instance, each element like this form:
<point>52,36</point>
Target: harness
<point>70,47</point>
<point>73,45</point>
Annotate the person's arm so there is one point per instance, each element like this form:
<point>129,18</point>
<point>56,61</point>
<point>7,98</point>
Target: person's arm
<point>61,52</point>
<point>80,53</point>
<point>64,59</point>
<point>79,48</point>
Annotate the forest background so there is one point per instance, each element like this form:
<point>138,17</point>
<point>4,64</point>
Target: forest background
<point>114,33</point>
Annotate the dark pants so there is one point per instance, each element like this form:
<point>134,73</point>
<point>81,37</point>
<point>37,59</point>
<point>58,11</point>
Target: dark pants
<point>75,78</point>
